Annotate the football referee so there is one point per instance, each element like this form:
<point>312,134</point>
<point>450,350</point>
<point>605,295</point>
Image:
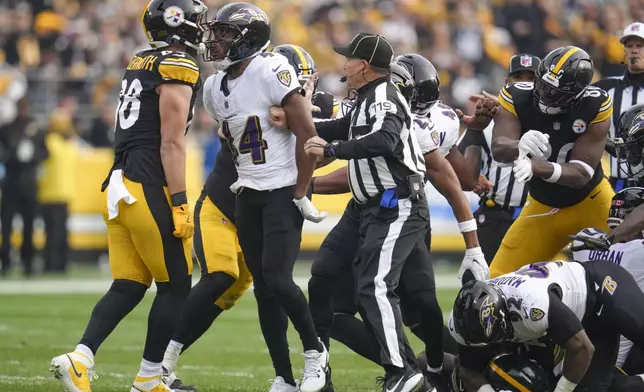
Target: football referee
<point>386,177</point>
<point>625,90</point>
<point>500,205</point>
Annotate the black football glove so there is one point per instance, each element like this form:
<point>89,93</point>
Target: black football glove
<point>589,243</point>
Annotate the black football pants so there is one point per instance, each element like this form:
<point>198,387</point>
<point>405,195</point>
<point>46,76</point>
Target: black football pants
<point>269,227</point>
<point>616,307</point>
<point>492,225</point>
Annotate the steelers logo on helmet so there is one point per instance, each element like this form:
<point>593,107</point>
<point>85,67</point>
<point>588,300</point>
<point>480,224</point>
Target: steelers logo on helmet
<point>173,16</point>
<point>579,126</point>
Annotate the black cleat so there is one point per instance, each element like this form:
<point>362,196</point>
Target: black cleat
<point>409,381</point>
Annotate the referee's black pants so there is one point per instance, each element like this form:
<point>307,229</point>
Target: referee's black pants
<point>493,223</point>
<point>387,237</point>
<point>269,228</point>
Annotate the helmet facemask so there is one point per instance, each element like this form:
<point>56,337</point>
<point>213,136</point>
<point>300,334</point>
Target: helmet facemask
<point>225,45</point>
<point>554,100</point>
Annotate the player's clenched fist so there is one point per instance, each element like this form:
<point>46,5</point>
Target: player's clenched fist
<point>534,143</point>
<point>184,227</point>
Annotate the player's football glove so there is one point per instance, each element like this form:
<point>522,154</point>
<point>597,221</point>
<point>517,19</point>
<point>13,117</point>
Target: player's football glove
<point>522,169</point>
<point>582,242</point>
<point>184,227</point>
<point>534,143</point>
<point>473,266</point>
<point>308,210</point>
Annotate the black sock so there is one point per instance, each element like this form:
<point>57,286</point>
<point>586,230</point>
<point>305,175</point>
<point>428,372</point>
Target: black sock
<point>197,310</point>
<point>118,302</point>
<point>167,304</point>
<point>209,315</point>
<point>352,332</point>
<point>274,323</point>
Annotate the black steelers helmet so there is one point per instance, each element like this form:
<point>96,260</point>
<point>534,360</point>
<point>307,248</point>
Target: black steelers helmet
<point>624,202</point>
<point>479,314</point>
<point>516,373</point>
<point>403,80</point>
<point>427,85</point>
<point>175,21</point>
<point>238,31</point>
<point>561,79</point>
<point>299,59</point>
<point>630,126</point>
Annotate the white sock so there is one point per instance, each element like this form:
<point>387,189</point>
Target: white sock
<point>83,349</point>
<point>149,369</point>
<point>434,370</point>
<point>171,356</point>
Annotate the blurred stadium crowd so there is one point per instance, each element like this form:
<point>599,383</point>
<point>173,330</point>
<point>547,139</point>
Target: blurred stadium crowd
<point>61,62</point>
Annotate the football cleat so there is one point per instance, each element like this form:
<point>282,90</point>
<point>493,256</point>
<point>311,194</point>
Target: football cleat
<point>74,371</point>
<point>149,384</point>
<point>279,385</point>
<point>316,365</point>
<point>175,383</point>
<point>409,381</point>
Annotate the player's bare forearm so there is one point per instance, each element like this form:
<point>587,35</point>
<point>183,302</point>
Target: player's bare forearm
<point>174,105</point>
<point>631,227</point>
<point>579,352</point>
<point>300,123</point>
<point>467,176</point>
<point>473,158</point>
<point>334,183</point>
<point>573,175</point>
<point>505,136</point>
<point>444,179</point>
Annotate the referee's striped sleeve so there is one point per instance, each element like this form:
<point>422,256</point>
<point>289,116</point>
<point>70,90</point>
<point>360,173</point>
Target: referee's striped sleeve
<point>605,111</point>
<point>179,69</point>
<point>505,100</point>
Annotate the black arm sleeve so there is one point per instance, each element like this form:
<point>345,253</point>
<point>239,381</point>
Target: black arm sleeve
<point>567,324</point>
<point>336,129</point>
<point>379,143</point>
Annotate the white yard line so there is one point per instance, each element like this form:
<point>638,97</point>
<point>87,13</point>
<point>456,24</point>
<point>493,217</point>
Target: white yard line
<point>98,286</point>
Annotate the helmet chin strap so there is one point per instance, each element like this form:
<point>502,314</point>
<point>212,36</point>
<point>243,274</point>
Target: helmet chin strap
<point>225,63</point>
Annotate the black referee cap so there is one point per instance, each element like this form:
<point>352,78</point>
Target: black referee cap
<point>373,48</point>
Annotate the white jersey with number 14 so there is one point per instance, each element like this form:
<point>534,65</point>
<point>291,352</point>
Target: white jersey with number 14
<point>264,154</point>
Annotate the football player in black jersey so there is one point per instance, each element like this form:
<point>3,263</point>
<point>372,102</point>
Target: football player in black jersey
<point>224,275</point>
<point>146,210</point>
<point>305,68</point>
<point>554,132</point>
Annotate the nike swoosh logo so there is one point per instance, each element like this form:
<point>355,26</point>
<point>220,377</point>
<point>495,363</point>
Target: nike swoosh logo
<point>395,386</point>
<point>79,375</point>
<point>593,196</point>
<point>599,312</point>
<point>276,68</point>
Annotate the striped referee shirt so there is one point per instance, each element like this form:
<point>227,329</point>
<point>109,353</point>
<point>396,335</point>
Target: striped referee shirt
<point>625,91</point>
<point>377,138</point>
<point>506,192</point>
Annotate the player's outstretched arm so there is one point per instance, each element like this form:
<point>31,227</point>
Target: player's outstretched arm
<point>465,167</point>
<point>300,122</point>
<point>174,105</point>
<point>631,228</point>
<point>334,183</point>
<point>584,159</point>
<point>505,136</point>
<point>566,330</point>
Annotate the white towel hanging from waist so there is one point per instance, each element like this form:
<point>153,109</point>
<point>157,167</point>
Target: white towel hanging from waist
<point>117,191</point>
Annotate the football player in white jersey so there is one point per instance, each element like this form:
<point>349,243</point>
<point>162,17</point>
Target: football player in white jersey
<point>582,307</point>
<point>274,174</point>
<point>432,114</point>
<point>627,254</point>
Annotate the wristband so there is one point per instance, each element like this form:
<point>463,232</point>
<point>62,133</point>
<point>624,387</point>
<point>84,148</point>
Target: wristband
<point>486,388</point>
<point>563,385</point>
<point>467,226</point>
<point>179,199</point>
<point>556,173</point>
<point>589,170</point>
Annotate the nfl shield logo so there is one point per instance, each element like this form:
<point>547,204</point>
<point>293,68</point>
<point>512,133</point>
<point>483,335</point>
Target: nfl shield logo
<point>556,126</point>
<point>526,61</point>
<point>636,27</point>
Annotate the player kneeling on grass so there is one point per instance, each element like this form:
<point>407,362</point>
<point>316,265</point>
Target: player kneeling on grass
<point>582,307</point>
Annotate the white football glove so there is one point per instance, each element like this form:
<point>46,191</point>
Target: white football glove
<point>473,264</point>
<point>522,169</point>
<point>308,210</point>
<point>534,143</point>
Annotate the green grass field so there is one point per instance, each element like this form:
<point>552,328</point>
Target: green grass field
<point>231,356</point>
